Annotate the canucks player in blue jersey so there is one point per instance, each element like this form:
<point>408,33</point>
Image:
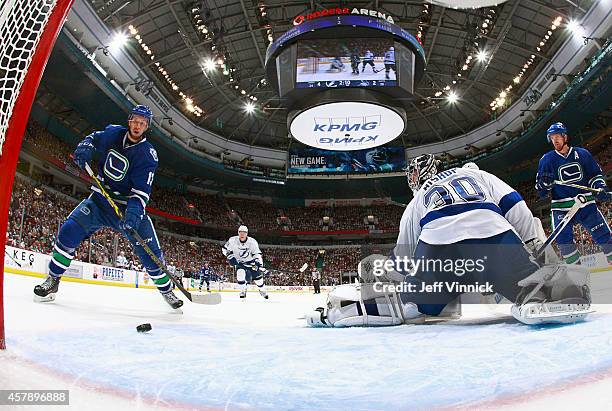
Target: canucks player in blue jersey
<point>126,168</point>
<point>206,274</point>
<point>573,165</point>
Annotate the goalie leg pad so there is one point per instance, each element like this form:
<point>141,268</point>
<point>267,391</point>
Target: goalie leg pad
<point>353,305</point>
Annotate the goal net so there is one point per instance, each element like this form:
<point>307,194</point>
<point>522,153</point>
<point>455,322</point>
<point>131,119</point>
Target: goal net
<point>28,29</point>
<point>310,65</point>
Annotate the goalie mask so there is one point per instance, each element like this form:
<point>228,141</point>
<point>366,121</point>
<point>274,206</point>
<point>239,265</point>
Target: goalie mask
<point>420,169</point>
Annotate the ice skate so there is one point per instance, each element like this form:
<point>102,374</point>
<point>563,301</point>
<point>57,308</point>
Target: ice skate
<point>172,300</point>
<point>46,291</point>
<point>263,294</point>
<point>243,294</point>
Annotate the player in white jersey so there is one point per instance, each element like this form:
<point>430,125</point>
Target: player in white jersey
<point>368,59</point>
<point>244,254</point>
<point>465,230</point>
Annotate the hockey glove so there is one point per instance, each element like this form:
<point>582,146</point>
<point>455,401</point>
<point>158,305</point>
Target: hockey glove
<point>604,195</point>
<point>544,184</point>
<point>131,219</point>
<point>84,152</point>
<point>233,262</point>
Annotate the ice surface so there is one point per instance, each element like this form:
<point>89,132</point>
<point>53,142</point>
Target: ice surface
<point>257,354</point>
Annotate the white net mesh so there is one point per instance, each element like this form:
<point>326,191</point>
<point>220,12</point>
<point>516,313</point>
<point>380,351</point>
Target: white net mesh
<point>21,26</point>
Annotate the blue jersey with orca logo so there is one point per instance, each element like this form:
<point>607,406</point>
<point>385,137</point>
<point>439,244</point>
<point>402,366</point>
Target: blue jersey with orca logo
<point>126,170</point>
<point>577,167</point>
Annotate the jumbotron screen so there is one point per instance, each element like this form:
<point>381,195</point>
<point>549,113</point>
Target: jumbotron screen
<point>318,161</point>
<point>337,63</point>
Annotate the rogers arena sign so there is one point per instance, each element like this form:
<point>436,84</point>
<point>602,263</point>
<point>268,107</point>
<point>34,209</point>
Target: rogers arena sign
<point>346,126</point>
<point>339,11</point>
<point>466,4</point>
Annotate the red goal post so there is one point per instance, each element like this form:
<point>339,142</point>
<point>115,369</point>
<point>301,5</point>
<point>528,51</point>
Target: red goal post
<point>28,30</point>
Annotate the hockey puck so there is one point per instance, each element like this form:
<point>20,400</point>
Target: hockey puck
<point>143,328</point>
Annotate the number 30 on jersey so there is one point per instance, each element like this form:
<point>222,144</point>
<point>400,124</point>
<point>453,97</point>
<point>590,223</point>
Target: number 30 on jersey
<point>458,190</point>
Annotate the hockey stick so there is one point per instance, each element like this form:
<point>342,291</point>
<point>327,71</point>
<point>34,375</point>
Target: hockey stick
<point>198,298</point>
<point>593,190</point>
<point>12,259</point>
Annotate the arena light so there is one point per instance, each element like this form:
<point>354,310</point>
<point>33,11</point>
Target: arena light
<point>482,55</point>
<point>209,64</point>
<point>452,97</point>
<point>119,40</point>
<point>249,107</point>
<point>574,27</point>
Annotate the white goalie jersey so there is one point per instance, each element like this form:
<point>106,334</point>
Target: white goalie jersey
<point>459,204</point>
<point>243,252</point>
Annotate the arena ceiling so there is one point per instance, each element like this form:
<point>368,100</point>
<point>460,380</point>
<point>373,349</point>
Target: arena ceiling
<point>207,56</point>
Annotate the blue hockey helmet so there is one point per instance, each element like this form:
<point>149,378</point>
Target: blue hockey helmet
<point>141,110</point>
<point>557,128</point>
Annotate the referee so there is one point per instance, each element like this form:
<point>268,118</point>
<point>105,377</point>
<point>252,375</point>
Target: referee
<point>316,281</point>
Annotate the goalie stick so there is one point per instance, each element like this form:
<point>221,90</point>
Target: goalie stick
<point>209,299</point>
<point>579,201</point>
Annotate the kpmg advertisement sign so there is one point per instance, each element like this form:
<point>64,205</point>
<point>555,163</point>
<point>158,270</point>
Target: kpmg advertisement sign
<point>347,126</point>
<point>374,160</point>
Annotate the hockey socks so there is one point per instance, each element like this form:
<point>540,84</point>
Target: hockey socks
<point>161,280</point>
<point>70,236</point>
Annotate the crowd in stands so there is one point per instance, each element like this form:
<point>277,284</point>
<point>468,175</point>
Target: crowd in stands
<point>39,137</point>
<point>173,202</point>
<point>255,213</point>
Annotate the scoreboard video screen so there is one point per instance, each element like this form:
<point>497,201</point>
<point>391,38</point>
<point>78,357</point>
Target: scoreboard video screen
<point>307,160</point>
<point>346,62</point>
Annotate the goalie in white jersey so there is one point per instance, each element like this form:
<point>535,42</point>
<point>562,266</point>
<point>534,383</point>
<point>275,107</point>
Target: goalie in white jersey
<point>243,253</point>
<point>465,230</point>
